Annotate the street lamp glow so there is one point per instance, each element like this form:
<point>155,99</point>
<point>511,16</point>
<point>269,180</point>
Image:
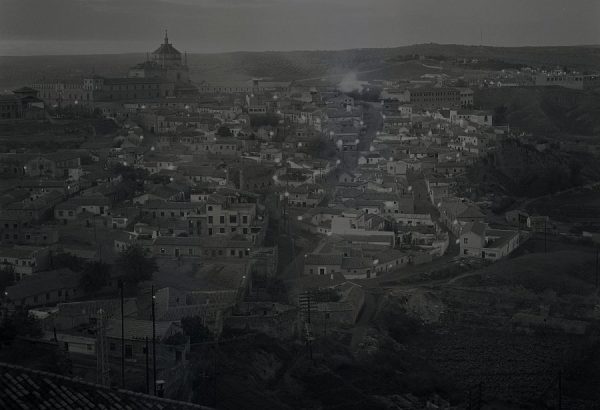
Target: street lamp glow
<point>299,217</point>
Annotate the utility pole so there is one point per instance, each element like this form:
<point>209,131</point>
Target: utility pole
<point>545,237</point>
<point>216,349</point>
<point>559,389</point>
<point>147,368</point>
<point>153,342</point>
<point>102,366</point>
<point>122,337</point>
<point>310,334</point>
<point>597,254</point>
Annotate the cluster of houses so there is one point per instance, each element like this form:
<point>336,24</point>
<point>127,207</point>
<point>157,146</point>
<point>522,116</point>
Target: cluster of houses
<point>201,177</point>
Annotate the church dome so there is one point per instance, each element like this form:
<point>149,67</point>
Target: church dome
<point>166,48</point>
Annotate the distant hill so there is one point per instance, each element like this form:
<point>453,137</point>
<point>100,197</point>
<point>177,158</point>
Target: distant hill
<point>294,65</point>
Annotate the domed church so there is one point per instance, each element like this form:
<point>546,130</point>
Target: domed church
<point>166,63</point>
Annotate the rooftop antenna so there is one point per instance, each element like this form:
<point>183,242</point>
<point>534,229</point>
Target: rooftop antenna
<point>166,37</point>
<point>185,58</point>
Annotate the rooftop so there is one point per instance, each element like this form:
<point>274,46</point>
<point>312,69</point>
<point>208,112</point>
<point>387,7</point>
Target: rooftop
<point>27,388</point>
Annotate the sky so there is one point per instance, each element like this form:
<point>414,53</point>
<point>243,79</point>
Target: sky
<point>30,27</point>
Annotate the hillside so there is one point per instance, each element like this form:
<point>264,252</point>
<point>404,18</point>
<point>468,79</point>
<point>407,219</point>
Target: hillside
<point>544,111</point>
<point>290,65</point>
<point>518,169</point>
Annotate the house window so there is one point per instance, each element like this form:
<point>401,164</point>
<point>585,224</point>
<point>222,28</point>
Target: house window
<point>465,240</point>
<point>221,230</point>
<point>222,219</point>
<point>232,219</point>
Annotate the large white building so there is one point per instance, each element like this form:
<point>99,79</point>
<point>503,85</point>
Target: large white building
<point>478,241</point>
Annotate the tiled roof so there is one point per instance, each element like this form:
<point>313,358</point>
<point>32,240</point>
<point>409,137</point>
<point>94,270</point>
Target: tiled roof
<point>323,259</point>
<point>24,388</point>
<point>356,263</point>
<point>43,282</point>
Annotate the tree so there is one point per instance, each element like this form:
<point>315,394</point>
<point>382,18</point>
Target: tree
<point>224,131</point>
<point>500,115</point>
<point>193,327</point>
<point>263,120</point>
<point>95,276</point>
<point>21,324</point>
<point>136,265</point>
<point>66,260</point>
<point>7,276</point>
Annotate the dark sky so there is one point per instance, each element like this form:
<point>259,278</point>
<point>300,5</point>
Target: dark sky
<point>109,26</point>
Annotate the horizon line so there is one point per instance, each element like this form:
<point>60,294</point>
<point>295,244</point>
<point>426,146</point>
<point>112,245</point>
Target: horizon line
<point>306,50</point>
